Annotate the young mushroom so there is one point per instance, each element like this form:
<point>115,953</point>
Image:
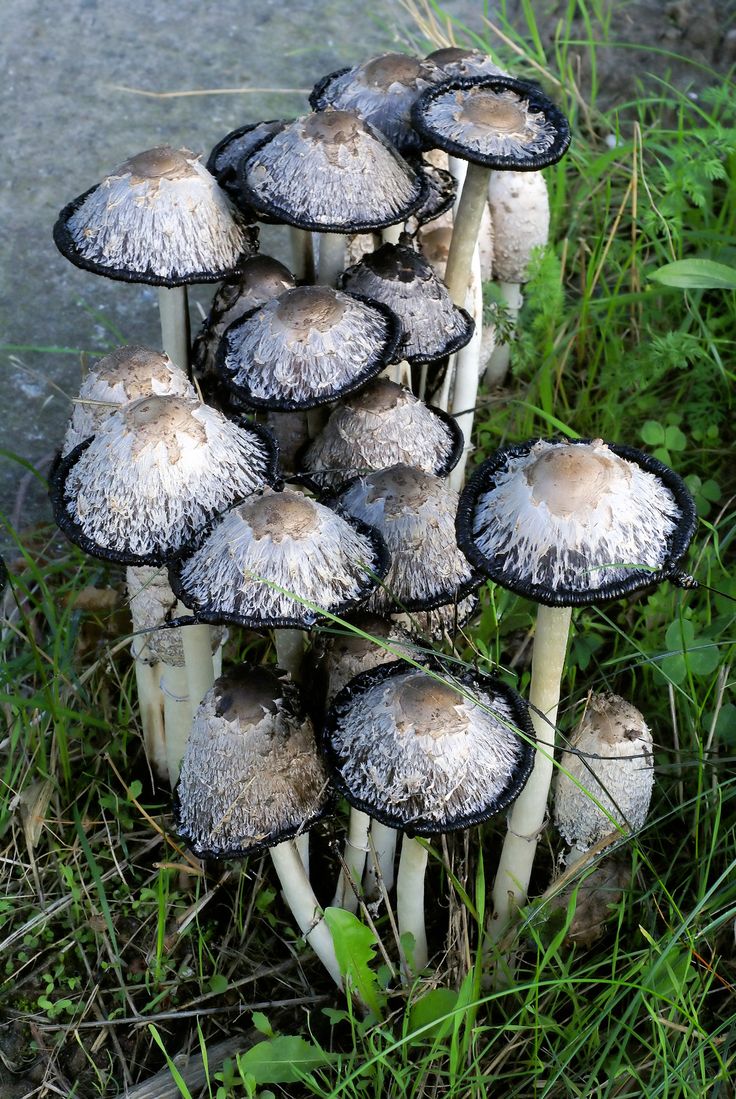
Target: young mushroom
<point>566,524</point>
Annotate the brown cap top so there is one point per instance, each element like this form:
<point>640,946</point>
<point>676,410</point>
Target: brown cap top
<point>331,172</point>
<point>252,776</point>
<point>159,218</point>
<point>456,62</point>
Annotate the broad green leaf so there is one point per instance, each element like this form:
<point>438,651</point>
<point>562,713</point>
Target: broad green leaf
<point>696,274</point>
<point>218,983</point>
<point>435,1007</point>
<point>355,947</point>
<point>674,439</point>
<point>652,433</point>
<point>260,1022</point>
<point>281,1060</point>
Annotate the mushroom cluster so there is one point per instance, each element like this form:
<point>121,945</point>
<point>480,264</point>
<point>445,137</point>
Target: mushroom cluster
<point>183,483</point>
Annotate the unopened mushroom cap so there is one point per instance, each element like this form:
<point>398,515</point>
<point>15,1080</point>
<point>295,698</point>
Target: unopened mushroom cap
<point>460,62</point>
<point>380,426</point>
<point>349,654</point>
<point>497,122</point>
<point>405,281</point>
<point>124,375</point>
<point>251,559</point>
<point>158,469</point>
<point>306,347</point>
<point>415,513</point>
<point>331,172</point>
<point>609,758</point>
<point>520,214</point>
<point>262,279</point>
<point>413,752</point>
<point>574,523</point>
<point>251,776</point>
<point>382,91</point>
<point>159,218</point>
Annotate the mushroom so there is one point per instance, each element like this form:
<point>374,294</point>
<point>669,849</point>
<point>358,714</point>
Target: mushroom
<point>380,426</point>
<point>425,752</point>
<point>252,779</point>
<point>305,348</point>
<point>158,218</point>
<point>566,524</point>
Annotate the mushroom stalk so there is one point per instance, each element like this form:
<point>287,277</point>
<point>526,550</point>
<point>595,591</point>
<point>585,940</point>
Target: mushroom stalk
<point>304,905</point>
<point>527,817</point>
<point>331,257</point>
<point>198,659</point>
<point>302,254</point>
<point>354,856</point>
<point>173,312</point>
<point>177,717</point>
<point>290,651</point>
<point>465,390</point>
<point>498,364</point>
<point>410,898</point>
<point>465,232</point>
<point>147,678</point>
<point>392,233</point>
<point>380,860</point>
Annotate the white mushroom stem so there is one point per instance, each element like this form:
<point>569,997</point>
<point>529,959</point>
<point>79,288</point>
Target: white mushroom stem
<point>302,254</point>
<point>465,391</point>
<point>465,232</point>
<point>498,364</point>
<point>528,814</point>
<point>303,903</point>
<point>302,846</point>
<point>392,233</point>
<point>380,860</point>
<point>332,251</point>
<point>177,717</point>
<point>290,651</point>
<point>354,857</point>
<point>410,898</point>
<point>150,702</point>
<point>173,311</point>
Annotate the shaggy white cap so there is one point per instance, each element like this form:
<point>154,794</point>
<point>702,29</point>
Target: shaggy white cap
<point>455,61</point>
<point>152,603</point>
<point>382,92</point>
<point>348,655</point>
<point>610,757</point>
<point>490,124</point>
<point>157,471</point>
<point>520,214</point>
<point>161,214</point>
<point>278,540</point>
<point>332,171</point>
<point>307,345</point>
<point>574,517</point>
<point>381,426</point>
<point>251,775</point>
<point>415,513</point>
<point>122,376</point>
<point>416,753</point>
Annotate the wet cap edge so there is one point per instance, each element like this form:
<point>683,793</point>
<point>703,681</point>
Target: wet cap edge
<point>529,91</point>
<point>386,356</point>
<point>481,481</point>
<point>471,680</point>
<point>65,243</point>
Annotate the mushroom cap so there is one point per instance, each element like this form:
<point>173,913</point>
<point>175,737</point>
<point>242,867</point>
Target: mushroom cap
<point>574,523</point>
<point>262,279</point>
<point>609,758</point>
<point>520,215</point>
<point>332,173</point>
<point>440,195</point>
<point>382,91</point>
<point>415,513</point>
<point>152,604</point>
<point>457,62</point>
<point>158,218</point>
<point>251,776</point>
<point>380,426</point>
<point>157,470</point>
<point>124,375</point>
<point>406,282</point>
<point>415,753</point>
<point>347,655</point>
<point>233,149</point>
<point>306,347</point>
<point>496,122</point>
<point>250,559</point>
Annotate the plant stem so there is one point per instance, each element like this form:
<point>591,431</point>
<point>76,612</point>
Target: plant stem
<point>380,860</point>
<point>527,817</point>
<point>465,232</point>
<point>410,898</point>
<point>303,903</point>
<point>354,855</point>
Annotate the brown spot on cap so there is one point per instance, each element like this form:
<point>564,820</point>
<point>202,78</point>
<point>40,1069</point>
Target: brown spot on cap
<point>381,396</point>
<point>278,514</point>
<point>335,127</point>
<point>430,707</point>
<point>307,308</point>
<point>401,486</point>
<point>498,113</point>
<point>156,420</point>
<point>392,68</point>
<point>136,368</point>
<point>163,162</point>
<point>572,479</point>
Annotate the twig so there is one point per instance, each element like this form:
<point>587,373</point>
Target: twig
<point>208,91</point>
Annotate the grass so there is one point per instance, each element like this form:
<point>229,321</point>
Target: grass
<point>117,952</point>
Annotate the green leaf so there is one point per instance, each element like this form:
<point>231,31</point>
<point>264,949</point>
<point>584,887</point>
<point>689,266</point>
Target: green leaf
<point>652,433</point>
<point>260,1022</point>
<point>674,439</point>
<point>434,1008</point>
<point>135,789</point>
<point>696,274</point>
<point>219,983</point>
<point>176,1075</point>
<point>281,1060</point>
<point>355,947</point>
